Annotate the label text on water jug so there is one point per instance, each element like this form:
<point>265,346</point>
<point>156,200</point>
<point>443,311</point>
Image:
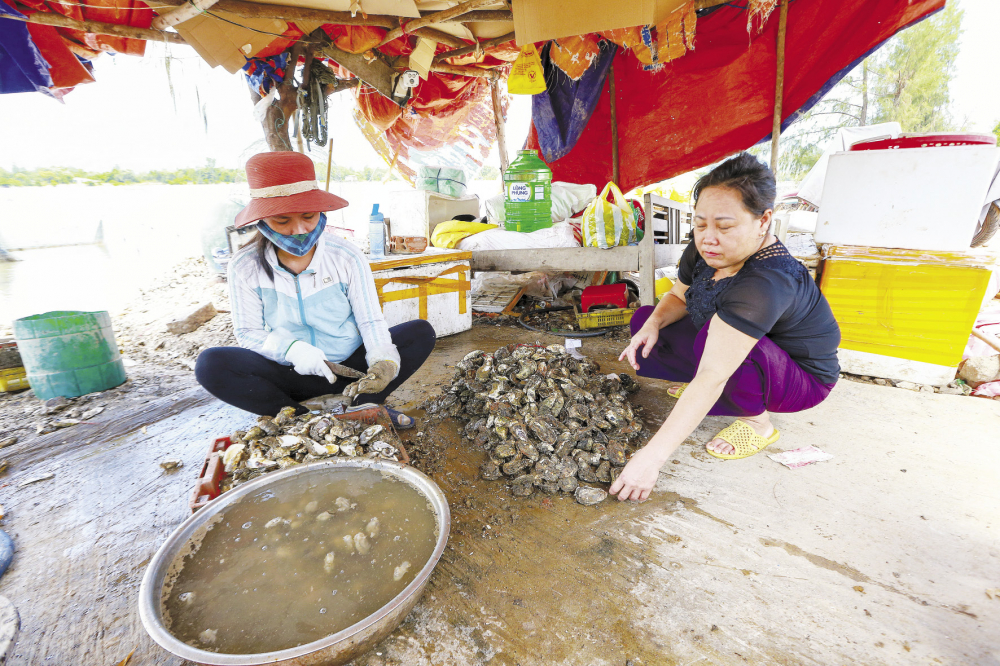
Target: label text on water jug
<point>519,192</point>
<point>539,192</point>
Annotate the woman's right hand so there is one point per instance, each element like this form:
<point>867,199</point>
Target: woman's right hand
<point>645,340</point>
<point>308,360</point>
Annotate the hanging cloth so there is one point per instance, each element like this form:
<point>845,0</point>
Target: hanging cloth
<point>22,67</point>
<point>561,113</point>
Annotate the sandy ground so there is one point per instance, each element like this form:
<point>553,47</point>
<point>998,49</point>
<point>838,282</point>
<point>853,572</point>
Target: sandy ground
<point>882,555</point>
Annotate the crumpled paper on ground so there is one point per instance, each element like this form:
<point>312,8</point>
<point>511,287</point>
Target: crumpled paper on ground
<point>806,455</point>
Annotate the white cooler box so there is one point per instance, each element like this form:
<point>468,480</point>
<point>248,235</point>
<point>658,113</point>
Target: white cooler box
<point>434,285</point>
<point>912,198</point>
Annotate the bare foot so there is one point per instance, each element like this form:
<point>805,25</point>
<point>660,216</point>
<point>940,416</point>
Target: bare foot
<point>761,425</point>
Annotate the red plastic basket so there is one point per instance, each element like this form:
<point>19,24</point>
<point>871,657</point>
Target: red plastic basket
<point>208,484</point>
<point>925,141</point>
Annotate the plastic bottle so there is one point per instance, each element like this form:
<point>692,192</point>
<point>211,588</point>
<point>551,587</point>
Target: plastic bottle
<point>527,187</point>
<point>376,234</point>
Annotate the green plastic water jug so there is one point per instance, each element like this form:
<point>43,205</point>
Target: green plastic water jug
<point>69,354</point>
<point>527,186</point>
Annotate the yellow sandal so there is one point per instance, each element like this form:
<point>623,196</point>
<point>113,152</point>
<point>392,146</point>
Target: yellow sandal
<point>676,391</point>
<point>744,439</point>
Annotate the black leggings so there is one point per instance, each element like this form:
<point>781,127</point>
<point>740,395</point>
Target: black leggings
<point>247,380</point>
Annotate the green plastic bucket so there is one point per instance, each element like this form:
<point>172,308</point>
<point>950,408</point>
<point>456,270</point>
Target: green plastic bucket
<point>69,354</point>
<point>527,187</point>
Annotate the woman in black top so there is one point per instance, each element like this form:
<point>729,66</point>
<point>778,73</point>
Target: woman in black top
<point>744,324</point>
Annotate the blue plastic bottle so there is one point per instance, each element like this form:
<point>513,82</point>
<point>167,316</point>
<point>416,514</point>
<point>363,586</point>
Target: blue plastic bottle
<point>376,234</point>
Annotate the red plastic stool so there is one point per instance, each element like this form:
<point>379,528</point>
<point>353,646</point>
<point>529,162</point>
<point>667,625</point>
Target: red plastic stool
<point>605,294</point>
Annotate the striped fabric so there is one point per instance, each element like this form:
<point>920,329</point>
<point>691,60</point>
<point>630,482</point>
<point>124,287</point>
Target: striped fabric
<point>332,304</point>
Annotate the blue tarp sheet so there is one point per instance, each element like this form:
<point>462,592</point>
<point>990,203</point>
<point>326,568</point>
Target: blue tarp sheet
<point>22,67</point>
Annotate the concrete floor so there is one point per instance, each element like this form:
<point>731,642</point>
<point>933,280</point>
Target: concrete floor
<point>881,555</point>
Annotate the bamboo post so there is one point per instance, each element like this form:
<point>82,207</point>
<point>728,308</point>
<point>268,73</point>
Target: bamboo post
<point>779,86</point>
<point>501,129</point>
<point>615,174</point>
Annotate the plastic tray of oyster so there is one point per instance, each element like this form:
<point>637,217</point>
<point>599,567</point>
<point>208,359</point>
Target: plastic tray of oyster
<point>288,440</point>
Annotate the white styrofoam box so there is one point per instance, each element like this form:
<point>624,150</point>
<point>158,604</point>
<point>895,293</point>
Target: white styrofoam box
<point>449,311</point>
<point>417,212</point>
<point>667,254</point>
<point>913,198</point>
<point>899,369</point>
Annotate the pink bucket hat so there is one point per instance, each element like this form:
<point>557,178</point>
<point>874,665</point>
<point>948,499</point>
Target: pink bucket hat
<point>284,182</point>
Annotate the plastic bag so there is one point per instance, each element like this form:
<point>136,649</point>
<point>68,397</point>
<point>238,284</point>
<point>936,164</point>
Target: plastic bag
<point>449,234</point>
<point>569,199</point>
<point>606,224</point>
<point>558,235</point>
<point>444,180</point>
<point>526,75</point>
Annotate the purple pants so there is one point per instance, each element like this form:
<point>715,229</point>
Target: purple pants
<point>767,380</point>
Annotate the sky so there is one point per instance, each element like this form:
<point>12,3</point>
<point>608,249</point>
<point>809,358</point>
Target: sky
<point>170,110</point>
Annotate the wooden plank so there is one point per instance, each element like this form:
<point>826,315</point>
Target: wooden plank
<point>558,259</point>
<point>108,426</point>
<point>779,86</point>
<point>84,537</point>
<point>100,28</point>
<point>433,256</point>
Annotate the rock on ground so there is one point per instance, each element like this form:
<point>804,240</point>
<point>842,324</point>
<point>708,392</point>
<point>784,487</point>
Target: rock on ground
<point>980,369</point>
<point>191,321</point>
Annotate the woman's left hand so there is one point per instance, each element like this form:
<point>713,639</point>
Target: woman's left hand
<point>639,476</point>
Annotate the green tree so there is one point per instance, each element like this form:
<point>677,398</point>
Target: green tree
<point>905,81</point>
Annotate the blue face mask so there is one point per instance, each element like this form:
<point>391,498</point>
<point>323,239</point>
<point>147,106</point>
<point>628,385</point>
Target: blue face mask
<point>297,244</point>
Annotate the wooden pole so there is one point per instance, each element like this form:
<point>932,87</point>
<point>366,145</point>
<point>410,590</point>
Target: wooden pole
<point>487,16</point>
<point>501,129</point>
<point>431,19</point>
<point>779,86</point>
<point>329,162</point>
<point>615,174</point>
<point>100,28</point>
<point>488,44</point>
<point>439,36</point>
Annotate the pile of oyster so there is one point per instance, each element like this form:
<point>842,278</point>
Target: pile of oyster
<point>548,420</point>
<point>287,440</point>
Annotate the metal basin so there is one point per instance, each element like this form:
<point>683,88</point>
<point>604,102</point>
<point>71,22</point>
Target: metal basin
<point>332,650</point>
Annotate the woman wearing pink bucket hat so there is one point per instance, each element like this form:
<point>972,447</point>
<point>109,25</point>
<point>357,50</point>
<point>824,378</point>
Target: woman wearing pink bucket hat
<point>300,298</point>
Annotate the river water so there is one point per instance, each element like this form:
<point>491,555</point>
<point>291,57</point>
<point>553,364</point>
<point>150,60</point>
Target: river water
<point>146,230</point>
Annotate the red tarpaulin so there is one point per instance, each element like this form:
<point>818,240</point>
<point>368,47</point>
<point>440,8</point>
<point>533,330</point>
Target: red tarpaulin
<point>719,98</point>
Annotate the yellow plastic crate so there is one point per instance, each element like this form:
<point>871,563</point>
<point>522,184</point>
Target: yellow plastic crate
<point>909,304</point>
<point>13,379</point>
<point>605,318</point>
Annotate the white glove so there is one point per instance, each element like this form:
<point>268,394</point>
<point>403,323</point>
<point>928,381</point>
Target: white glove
<point>308,360</point>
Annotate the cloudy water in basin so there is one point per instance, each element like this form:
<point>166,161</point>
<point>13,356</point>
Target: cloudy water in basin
<point>299,561</point>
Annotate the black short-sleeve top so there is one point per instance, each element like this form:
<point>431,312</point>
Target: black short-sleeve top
<point>772,295</point>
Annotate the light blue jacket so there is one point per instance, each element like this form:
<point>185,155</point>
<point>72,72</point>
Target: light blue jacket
<point>332,304</point>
